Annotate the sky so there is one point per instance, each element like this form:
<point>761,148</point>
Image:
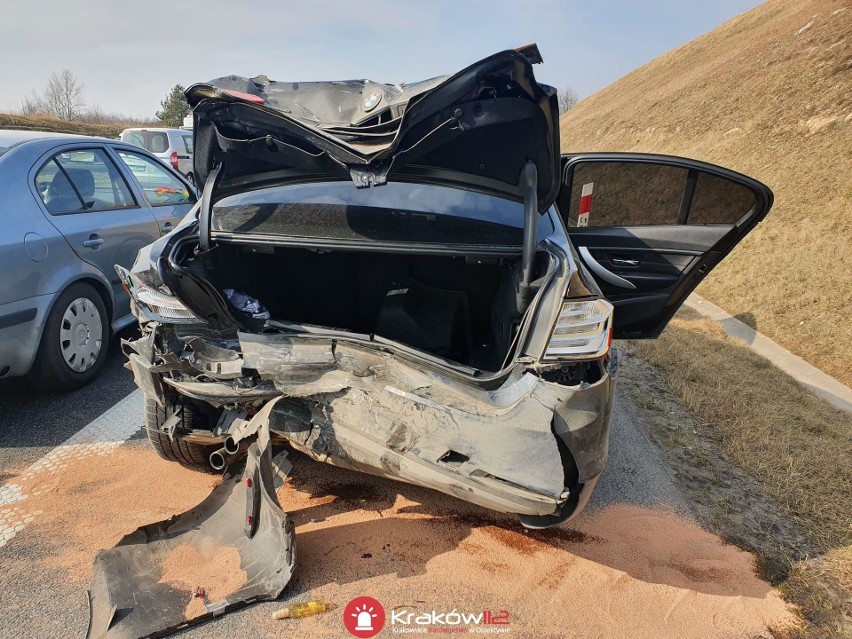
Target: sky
<point>128,55</point>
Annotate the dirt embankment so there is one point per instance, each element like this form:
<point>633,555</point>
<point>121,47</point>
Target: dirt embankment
<point>769,94</point>
<point>33,123</point>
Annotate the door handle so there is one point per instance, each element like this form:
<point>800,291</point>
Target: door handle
<point>623,262</point>
<point>165,228</point>
<point>94,242</point>
<point>601,272</point>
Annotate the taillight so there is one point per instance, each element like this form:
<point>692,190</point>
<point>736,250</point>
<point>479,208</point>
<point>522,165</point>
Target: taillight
<point>153,304</point>
<point>163,308</point>
<point>174,159</point>
<point>583,330</point>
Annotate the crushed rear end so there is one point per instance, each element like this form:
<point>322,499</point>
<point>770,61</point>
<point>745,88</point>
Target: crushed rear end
<point>462,352</point>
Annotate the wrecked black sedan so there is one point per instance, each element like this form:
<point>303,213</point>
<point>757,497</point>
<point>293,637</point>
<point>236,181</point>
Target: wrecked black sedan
<point>411,281</point>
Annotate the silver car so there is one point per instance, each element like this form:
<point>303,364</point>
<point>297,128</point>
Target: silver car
<point>172,146</point>
<point>73,206</point>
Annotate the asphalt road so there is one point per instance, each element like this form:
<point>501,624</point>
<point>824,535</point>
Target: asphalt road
<point>42,588</point>
<point>33,421</point>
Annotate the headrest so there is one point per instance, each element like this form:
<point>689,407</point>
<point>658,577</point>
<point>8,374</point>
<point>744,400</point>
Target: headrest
<point>83,180</point>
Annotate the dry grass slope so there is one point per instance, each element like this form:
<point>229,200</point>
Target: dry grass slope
<point>770,425</point>
<point>797,447</point>
<point>9,121</point>
<point>769,94</point>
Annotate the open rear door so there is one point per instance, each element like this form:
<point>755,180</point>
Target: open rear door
<point>649,228</point>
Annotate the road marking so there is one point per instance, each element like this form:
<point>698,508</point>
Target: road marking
<point>812,378</point>
<point>99,437</point>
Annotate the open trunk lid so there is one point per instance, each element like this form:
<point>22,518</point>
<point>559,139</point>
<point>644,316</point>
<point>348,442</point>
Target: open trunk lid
<point>477,128</point>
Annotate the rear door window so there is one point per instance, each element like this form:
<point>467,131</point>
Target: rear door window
<point>637,194</point>
<point>160,186</point>
<point>153,141</point>
<point>80,181</point>
<point>134,137</point>
<point>647,194</point>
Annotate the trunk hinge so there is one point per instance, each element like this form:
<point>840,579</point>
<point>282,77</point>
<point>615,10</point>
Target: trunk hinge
<point>206,207</point>
<point>529,186</point>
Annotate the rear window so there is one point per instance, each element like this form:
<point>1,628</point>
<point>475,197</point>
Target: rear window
<point>153,141</point>
<point>187,142</point>
<point>395,212</point>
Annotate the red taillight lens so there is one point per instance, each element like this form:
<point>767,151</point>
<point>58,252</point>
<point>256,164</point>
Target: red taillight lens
<point>248,97</point>
<point>174,159</point>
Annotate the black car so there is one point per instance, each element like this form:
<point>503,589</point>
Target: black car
<point>411,281</point>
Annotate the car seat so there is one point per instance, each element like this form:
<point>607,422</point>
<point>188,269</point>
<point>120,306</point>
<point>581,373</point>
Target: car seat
<point>60,196</point>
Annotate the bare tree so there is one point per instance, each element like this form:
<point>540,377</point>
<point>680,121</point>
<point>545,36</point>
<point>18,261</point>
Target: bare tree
<point>94,115</point>
<point>63,96</point>
<point>32,105</point>
<point>567,98</point>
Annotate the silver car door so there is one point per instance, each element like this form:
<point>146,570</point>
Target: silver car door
<point>90,203</point>
<point>170,197</point>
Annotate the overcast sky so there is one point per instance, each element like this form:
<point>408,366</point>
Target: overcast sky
<point>129,54</point>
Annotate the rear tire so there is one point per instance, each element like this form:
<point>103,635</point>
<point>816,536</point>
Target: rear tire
<point>188,454</point>
<point>74,341</point>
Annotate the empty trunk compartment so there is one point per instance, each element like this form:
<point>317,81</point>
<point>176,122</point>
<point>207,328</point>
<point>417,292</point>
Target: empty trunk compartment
<point>462,308</point>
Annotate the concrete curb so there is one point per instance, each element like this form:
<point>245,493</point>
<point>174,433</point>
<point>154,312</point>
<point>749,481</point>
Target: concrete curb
<point>812,378</point>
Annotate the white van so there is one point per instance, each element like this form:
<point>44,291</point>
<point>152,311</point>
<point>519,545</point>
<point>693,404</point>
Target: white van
<point>172,146</point>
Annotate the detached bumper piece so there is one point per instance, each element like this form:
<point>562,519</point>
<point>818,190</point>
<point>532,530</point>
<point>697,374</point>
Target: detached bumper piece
<point>233,549</point>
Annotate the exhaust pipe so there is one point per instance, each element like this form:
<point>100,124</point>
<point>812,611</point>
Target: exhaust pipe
<point>219,459</point>
<point>232,447</point>
<point>223,457</point>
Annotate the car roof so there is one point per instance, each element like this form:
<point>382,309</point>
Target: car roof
<point>43,140</point>
<point>153,128</point>
<point>11,137</point>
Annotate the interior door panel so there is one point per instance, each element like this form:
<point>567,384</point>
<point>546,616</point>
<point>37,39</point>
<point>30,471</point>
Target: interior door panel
<point>643,265</point>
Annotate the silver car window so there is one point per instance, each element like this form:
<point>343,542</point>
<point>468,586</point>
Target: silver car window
<point>153,141</point>
<point>161,187</point>
<point>81,181</point>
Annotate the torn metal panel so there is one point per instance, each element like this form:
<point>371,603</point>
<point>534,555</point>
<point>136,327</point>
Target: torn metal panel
<point>369,410</point>
<point>216,361</point>
<point>355,406</point>
<point>222,393</point>
<point>131,595</point>
<point>279,355</point>
<point>423,130</point>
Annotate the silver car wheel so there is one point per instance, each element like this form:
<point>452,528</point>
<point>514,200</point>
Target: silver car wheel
<point>81,335</point>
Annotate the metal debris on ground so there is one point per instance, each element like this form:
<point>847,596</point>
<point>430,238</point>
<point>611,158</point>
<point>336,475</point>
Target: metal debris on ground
<point>139,588</point>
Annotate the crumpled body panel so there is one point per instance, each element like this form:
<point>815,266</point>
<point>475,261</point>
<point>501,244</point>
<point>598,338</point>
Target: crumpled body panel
<point>511,448</point>
<point>146,586</point>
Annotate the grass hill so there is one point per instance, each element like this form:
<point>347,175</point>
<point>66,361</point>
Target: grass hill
<point>769,94</point>
<point>10,121</point>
